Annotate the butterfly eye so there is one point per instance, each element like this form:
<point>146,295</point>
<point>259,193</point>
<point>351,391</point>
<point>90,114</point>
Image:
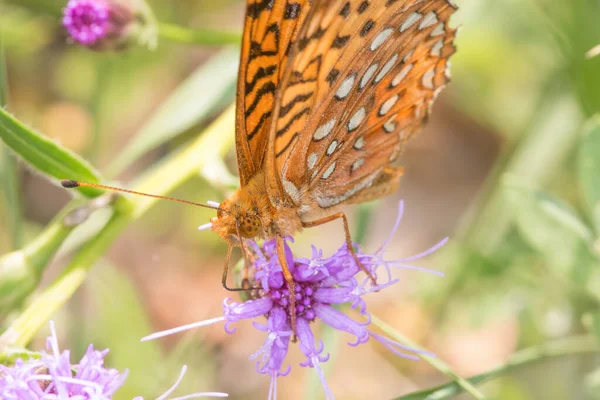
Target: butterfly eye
<point>249,226</point>
<point>222,207</point>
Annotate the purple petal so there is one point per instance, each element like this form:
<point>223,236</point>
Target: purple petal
<point>334,295</point>
<point>338,320</point>
<point>249,309</point>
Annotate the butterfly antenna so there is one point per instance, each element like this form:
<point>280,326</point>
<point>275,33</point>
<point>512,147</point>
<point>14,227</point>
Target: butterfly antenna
<point>69,184</point>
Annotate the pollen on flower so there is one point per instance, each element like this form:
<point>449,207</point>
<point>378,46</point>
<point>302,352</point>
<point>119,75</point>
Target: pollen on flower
<point>321,284</point>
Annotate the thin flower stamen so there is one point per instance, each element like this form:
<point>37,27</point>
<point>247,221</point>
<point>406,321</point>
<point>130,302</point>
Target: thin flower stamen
<point>427,252</point>
<point>395,228</point>
<point>183,328</point>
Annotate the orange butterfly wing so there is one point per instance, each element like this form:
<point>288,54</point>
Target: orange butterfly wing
<point>269,30</point>
<point>360,81</point>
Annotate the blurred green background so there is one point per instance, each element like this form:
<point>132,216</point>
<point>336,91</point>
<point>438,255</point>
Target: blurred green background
<point>508,167</point>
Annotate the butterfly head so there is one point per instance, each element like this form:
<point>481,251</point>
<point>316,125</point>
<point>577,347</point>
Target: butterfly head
<point>234,220</point>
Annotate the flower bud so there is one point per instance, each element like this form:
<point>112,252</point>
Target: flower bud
<point>105,25</point>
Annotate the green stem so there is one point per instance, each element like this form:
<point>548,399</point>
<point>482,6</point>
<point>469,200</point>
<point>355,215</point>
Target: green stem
<point>56,295</point>
<point>559,348</point>
<point>182,34</point>
<point>13,212</point>
<point>437,363</point>
<point>216,140</point>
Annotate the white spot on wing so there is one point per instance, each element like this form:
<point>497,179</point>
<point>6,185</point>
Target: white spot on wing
<point>386,68</point>
<point>326,202</point>
<point>332,147</point>
<point>439,30</point>
<point>436,49</point>
<point>429,20</point>
<point>329,170</point>
<point>388,104</point>
<point>447,71</point>
<point>401,75</point>
<point>427,79</point>
<point>408,55</point>
<point>356,119</point>
<point>381,38</point>
<point>324,130</point>
<point>356,164</point>
<point>345,87</point>
<point>291,190</point>
<point>312,160</point>
<point>410,21</point>
<point>360,143</point>
<point>368,75</point>
<point>390,124</point>
<point>434,98</point>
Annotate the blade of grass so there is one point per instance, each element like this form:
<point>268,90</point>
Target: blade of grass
<point>209,88</point>
<point>45,155</point>
<point>437,363</point>
<point>585,344</point>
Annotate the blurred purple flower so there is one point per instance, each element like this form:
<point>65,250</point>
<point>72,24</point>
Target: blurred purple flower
<point>53,377</point>
<point>322,284</point>
<point>98,24</point>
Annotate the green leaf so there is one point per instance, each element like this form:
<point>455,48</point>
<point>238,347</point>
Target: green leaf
<point>208,89</point>
<point>550,226</point>
<point>46,155</point>
<point>589,169</point>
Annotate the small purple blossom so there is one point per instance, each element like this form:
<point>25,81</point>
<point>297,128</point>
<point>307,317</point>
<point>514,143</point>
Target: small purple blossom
<point>53,377</point>
<point>98,24</point>
<point>321,284</point>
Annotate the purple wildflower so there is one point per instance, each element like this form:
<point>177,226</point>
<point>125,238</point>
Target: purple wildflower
<point>53,377</point>
<point>98,24</point>
<point>321,284</point>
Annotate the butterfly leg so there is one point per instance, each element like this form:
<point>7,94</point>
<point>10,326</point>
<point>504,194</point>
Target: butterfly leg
<point>290,281</point>
<point>245,280</point>
<point>333,217</point>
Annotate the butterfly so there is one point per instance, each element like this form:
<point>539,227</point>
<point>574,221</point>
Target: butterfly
<point>329,92</point>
